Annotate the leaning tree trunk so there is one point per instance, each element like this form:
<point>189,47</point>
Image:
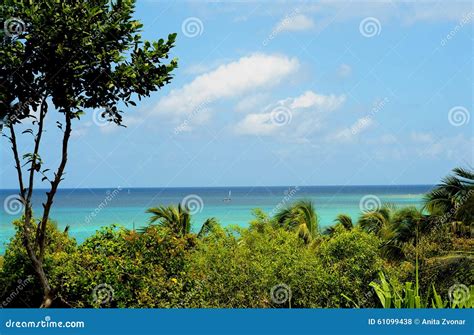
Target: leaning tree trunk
<point>35,244</point>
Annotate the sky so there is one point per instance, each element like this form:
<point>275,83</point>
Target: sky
<point>287,93</point>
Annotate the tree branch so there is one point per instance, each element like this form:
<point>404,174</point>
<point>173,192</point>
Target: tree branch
<point>17,159</point>
<point>26,227</point>
<point>43,110</point>
<point>54,185</point>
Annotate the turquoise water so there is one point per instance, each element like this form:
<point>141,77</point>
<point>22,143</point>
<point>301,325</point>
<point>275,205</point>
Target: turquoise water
<point>86,210</point>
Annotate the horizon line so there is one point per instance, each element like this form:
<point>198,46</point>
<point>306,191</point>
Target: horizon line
<point>229,186</point>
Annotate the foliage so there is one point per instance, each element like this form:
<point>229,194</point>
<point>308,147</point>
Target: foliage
<point>408,297</point>
<point>377,221</point>
<point>353,259</point>
<point>300,217</point>
<point>176,219</point>
<point>74,56</point>
<point>343,221</point>
<point>16,268</point>
<point>82,54</point>
<point>394,258</point>
<point>453,200</point>
<point>223,268</point>
<point>238,268</point>
<point>142,270</point>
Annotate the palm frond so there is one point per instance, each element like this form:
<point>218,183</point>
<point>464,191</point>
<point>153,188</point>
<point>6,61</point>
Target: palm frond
<point>207,227</point>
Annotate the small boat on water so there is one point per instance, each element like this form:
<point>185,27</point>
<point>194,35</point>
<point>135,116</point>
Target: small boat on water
<point>228,198</point>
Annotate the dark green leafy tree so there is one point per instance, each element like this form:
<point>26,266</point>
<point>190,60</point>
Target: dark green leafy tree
<point>70,57</point>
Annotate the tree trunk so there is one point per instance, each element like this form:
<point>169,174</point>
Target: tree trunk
<point>35,244</point>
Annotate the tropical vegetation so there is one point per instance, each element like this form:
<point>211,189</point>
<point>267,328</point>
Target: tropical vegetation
<point>389,257</point>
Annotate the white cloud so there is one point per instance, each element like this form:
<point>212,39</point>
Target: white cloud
<point>229,80</point>
<point>348,134</point>
<point>202,67</point>
<point>422,137</point>
<point>422,145</point>
<point>251,102</point>
<point>454,147</point>
<point>81,130</point>
<point>387,139</point>
<point>257,124</point>
<point>295,23</point>
<point>322,102</point>
<point>293,118</point>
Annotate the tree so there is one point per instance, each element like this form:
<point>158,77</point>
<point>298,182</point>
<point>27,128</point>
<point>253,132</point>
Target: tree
<point>345,220</point>
<point>176,219</point>
<point>452,201</point>
<point>342,221</point>
<point>208,226</point>
<point>376,221</point>
<point>301,217</point>
<point>72,57</point>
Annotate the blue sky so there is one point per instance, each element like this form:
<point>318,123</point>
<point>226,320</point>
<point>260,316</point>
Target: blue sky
<point>289,93</point>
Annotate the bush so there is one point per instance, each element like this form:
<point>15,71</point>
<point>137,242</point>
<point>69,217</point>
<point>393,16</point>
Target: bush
<point>261,266</point>
<point>353,261</point>
<point>238,268</point>
<point>121,268</point>
<point>21,287</point>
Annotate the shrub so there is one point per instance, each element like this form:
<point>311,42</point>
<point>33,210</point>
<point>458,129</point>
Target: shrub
<point>21,288</point>
<point>352,259</point>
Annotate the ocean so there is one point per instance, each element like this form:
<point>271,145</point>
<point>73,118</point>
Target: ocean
<point>86,210</point>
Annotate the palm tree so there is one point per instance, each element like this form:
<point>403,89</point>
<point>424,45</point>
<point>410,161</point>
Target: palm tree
<point>405,226</point>
<point>300,217</point>
<point>396,227</point>
<point>406,223</point>
<point>207,227</point>
<point>453,199</point>
<point>176,219</point>
<point>342,220</point>
<point>345,221</point>
<point>376,221</point>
